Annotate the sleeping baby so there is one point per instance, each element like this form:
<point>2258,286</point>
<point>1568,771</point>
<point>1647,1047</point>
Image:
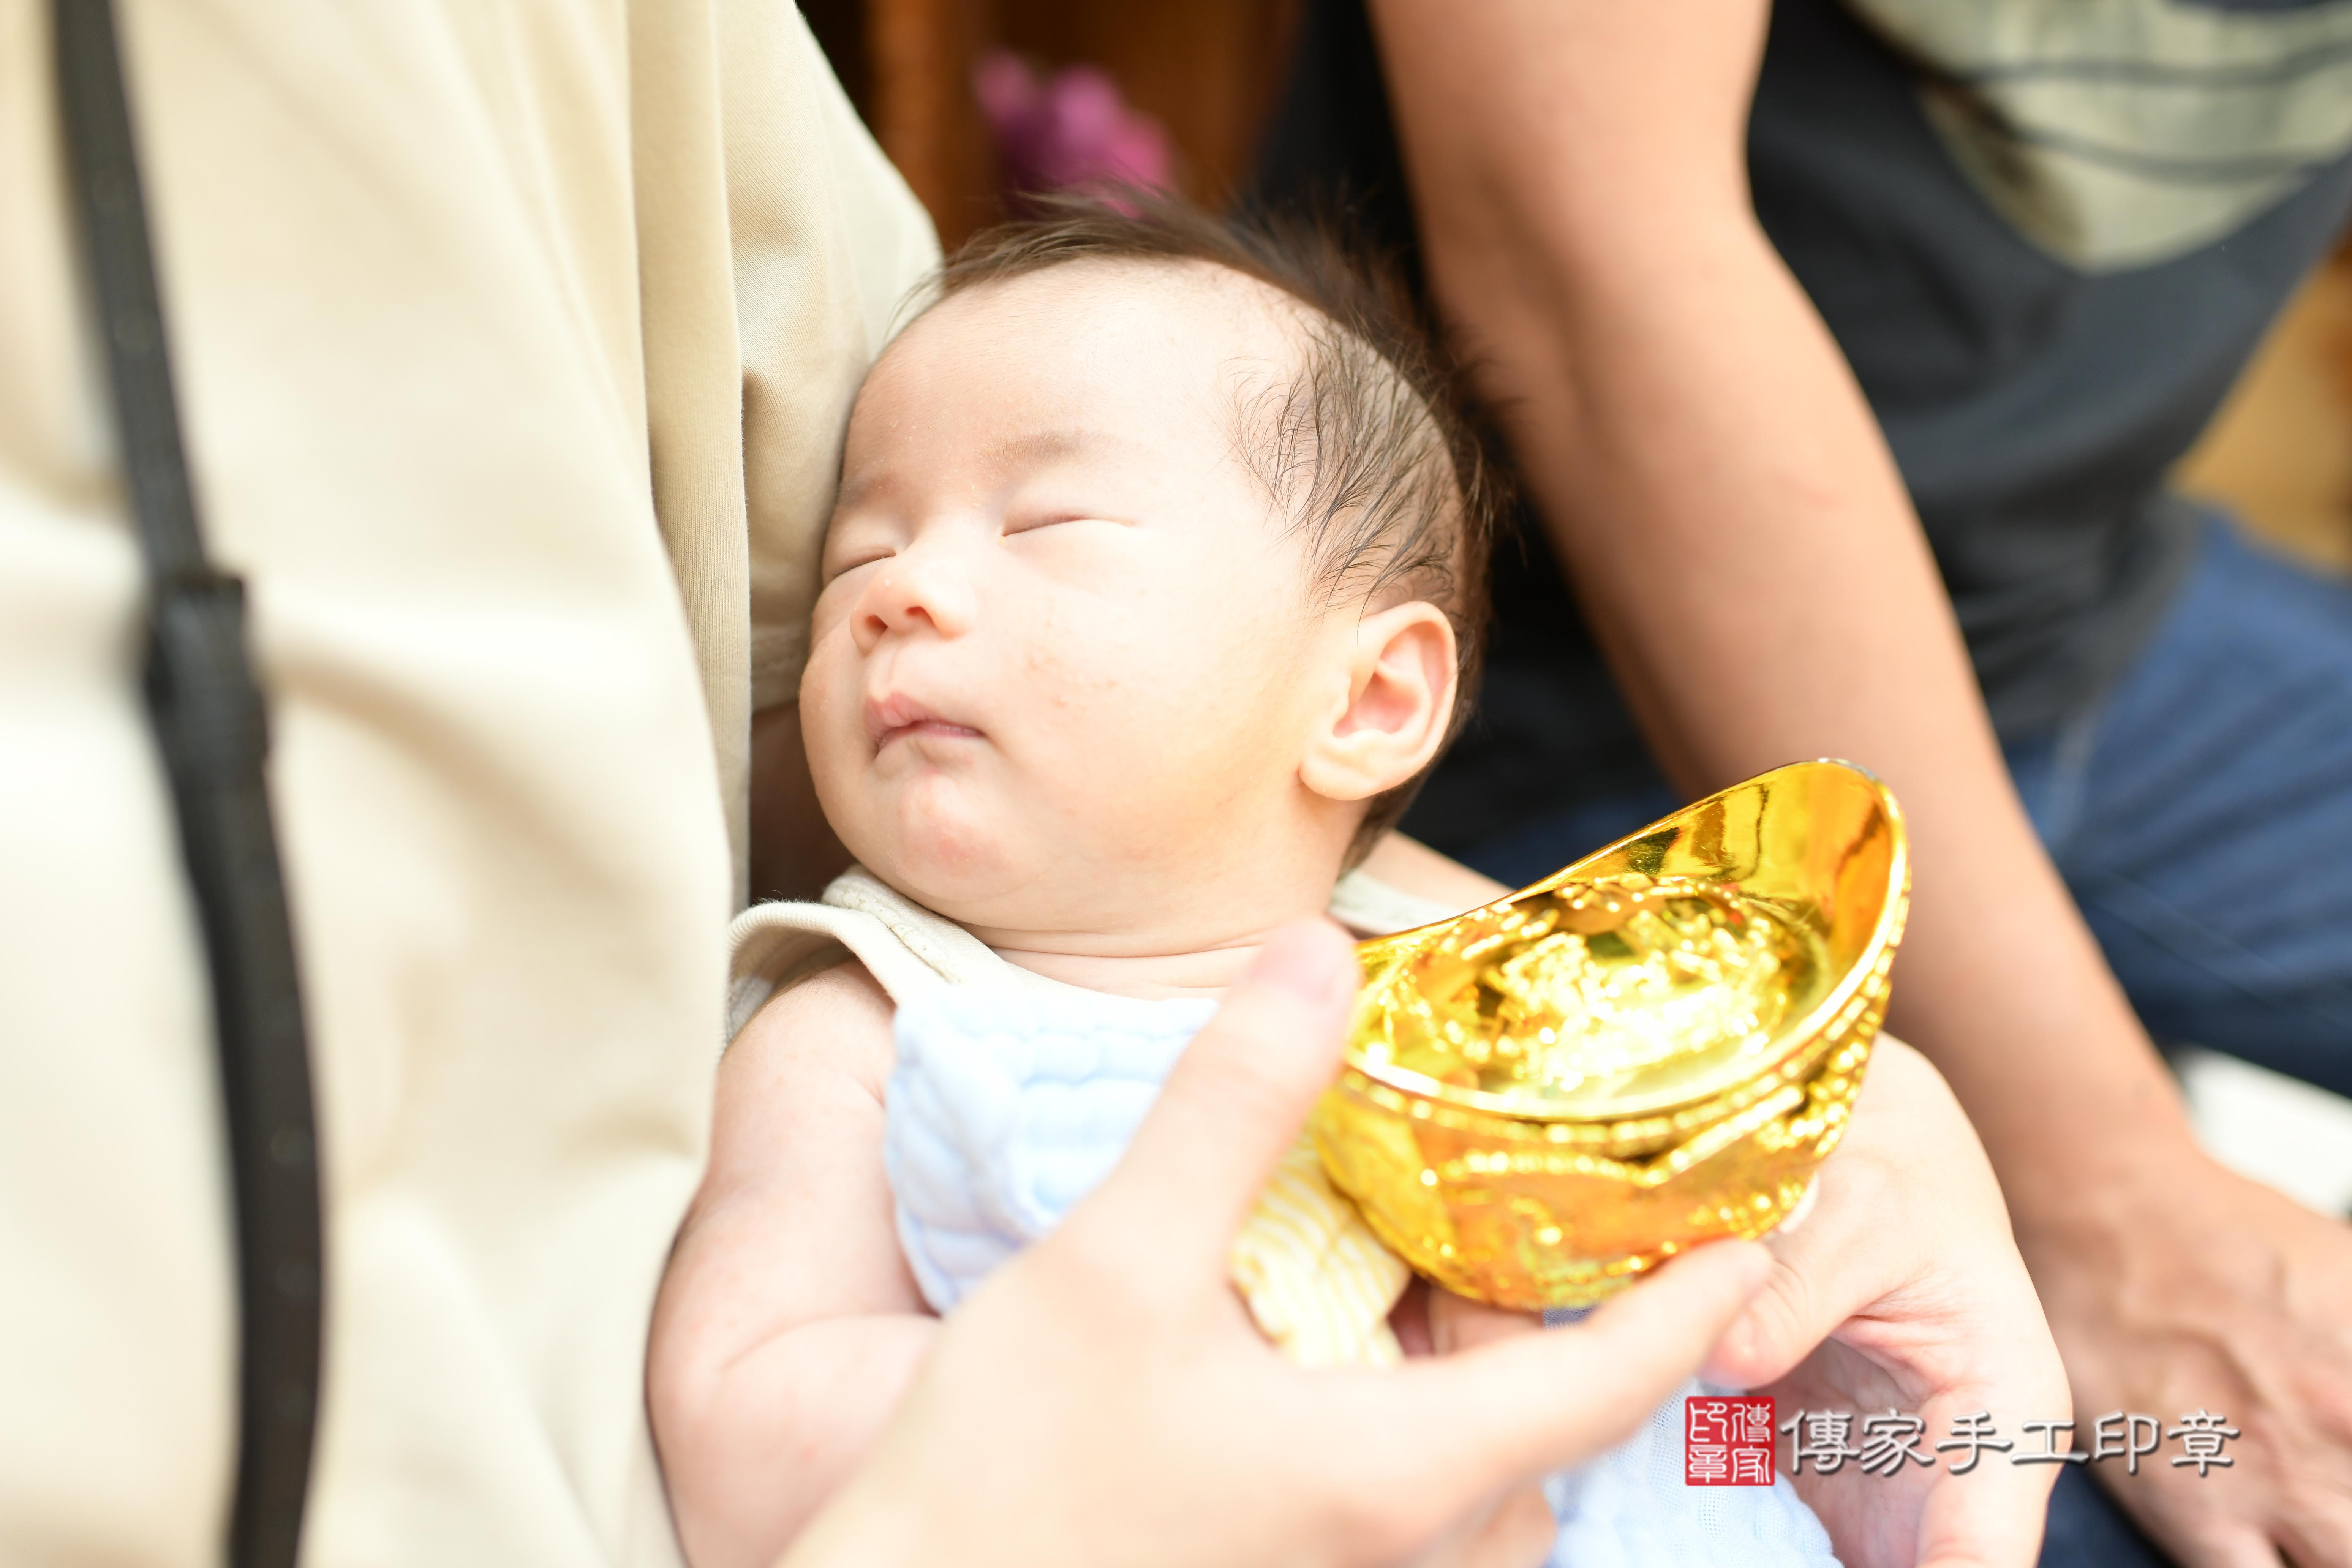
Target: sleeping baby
<point>1153,588</point>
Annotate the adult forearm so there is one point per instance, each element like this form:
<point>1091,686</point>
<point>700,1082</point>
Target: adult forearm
<point>1751,564</point>
<point>1716,488</point>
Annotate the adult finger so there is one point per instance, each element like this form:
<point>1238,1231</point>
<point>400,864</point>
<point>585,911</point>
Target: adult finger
<point>2229,1546</point>
<point>2319,1532</point>
<point>1231,1106</point>
<point>1459,1323</point>
<point>1526,1405</point>
<point>1835,1266</point>
<point>1909,1144</point>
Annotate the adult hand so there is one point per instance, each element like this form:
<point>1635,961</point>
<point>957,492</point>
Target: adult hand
<point>1518,1530</point>
<point>1104,1399</point>
<point>1904,1289</point>
<point>2177,1286</point>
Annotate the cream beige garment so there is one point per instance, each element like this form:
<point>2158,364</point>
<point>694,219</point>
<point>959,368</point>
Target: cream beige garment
<point>477,309</point>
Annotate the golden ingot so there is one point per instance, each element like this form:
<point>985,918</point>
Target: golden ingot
<point>1649,1049</point>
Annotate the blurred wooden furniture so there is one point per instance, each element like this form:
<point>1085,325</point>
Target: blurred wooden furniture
<point>1207,69</point>
<point>907,65</point>
<point>2279,454</point>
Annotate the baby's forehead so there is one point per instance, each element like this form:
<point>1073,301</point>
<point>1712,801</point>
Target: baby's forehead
<point>1140,373</point>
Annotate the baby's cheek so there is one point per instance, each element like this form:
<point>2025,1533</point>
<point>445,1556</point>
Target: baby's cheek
<point>833,734</point>
<point>1142,736</point>
<point>1105,668</point>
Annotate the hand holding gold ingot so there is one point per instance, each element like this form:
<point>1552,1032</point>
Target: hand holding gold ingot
<point>1652,1048</point>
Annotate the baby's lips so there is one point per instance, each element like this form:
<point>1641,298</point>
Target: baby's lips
<point>897,713</point>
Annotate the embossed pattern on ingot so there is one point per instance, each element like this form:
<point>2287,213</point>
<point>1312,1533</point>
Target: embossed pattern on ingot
<point>1652,1048</point>
<point>1596,979</point>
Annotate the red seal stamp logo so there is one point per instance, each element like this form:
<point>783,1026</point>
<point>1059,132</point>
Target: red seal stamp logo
<point>1727,1441</point>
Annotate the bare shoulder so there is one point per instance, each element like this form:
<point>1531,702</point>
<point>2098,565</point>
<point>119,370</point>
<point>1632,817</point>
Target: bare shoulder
<point>837,1020</point>
<point>806,1071</point>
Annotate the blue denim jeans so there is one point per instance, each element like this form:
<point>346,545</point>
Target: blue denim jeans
<point>2201,814</point>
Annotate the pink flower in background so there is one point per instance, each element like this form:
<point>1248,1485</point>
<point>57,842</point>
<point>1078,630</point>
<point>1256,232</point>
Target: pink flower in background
<point>1070,131</point>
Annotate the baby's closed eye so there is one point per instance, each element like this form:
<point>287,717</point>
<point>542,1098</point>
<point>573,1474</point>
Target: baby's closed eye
<point>1031,520</point>
<point>1029,523</point>
<point>837,569</point>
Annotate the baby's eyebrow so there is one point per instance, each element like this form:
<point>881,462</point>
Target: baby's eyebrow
<point>1001,460</point>
<point>1042,447</point>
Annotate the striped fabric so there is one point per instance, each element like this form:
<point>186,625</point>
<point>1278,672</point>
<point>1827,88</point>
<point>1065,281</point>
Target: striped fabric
<point>1319,1283</point>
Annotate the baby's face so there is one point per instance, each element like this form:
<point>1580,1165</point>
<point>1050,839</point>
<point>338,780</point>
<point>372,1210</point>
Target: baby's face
<point>1066,656</point>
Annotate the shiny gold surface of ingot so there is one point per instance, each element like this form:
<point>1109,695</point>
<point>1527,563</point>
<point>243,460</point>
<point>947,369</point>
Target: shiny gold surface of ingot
<point>1649,1049</point>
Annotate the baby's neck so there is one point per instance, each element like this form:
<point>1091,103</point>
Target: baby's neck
<point>1194,945</point>
<point>1134,968</point>
<point>1191,927</point>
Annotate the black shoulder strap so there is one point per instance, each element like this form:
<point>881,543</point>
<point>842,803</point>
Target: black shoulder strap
<point>209,723</point>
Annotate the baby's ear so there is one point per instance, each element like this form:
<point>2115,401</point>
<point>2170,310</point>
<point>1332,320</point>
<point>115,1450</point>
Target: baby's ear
<point>1401,680</point>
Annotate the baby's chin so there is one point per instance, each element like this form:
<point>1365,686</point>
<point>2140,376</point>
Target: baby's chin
<point>948,857</point>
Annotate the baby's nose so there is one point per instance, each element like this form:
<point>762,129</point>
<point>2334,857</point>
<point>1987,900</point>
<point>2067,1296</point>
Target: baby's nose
<point>916,591</point>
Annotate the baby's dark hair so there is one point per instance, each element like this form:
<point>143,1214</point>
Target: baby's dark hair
<point>1365,447</point>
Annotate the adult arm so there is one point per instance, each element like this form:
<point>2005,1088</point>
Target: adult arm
<point>1742,544</point>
